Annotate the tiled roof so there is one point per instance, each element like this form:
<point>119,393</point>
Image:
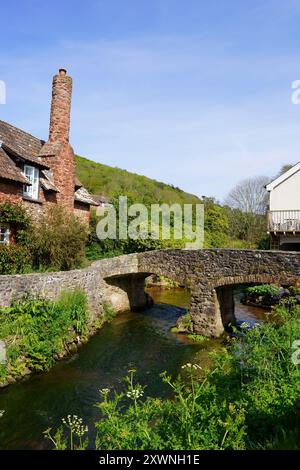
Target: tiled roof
<point>9,170</point>
<point>101,199</point>
<point>82,195</point>
<point>21,144</point>
<point>49,149</point>
<point>47,181</point>
<point>78,183</point>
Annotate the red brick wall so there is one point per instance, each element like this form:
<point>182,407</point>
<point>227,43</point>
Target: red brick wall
<point>10,191</point>
<point>82,211</point>
<point>60,107</point>
<point>63,168</point>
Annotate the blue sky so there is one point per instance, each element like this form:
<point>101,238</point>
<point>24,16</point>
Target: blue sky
<point>193,93</point>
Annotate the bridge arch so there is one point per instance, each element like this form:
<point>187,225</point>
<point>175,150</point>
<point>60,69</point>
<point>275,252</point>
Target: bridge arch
<point>224,292</point>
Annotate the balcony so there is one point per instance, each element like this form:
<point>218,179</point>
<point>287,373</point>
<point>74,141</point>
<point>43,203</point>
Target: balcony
<point>284,221</point>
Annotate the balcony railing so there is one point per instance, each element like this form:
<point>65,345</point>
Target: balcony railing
<point>284,221</point>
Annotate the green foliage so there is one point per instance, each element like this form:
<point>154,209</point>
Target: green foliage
<point>248,399</point>
<point>197,338</point>
<point>98,249</point>
<point>185,322</point>
<point>264,289</point>
<point>216,226</point>
<point>58,241</point>
<point>294,290</point>
<point>76,431</point>
<point>108,314</point>
<point>35,330</point>
<point>75,303</point>
<point>19,221</point>
<point>14,214</point>
<point>265,294</point>
<point>250,227</point>
<point>14,259</point>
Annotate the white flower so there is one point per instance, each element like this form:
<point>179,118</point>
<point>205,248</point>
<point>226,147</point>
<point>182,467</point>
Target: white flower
<point>191,366</point>
<point>135,393</point>
<point>75,424</point>
<point>2,413</point>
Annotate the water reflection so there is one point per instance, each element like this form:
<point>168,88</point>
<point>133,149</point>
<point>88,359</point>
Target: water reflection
<point>141,340</point>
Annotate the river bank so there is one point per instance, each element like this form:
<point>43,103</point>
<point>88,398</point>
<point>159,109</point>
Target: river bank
<point>141,340</point>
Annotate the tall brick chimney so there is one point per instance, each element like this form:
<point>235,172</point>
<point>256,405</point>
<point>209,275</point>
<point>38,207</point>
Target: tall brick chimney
<point>57,152</point>
<point>60,107</point>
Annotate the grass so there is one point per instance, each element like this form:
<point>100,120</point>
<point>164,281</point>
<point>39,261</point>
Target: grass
<point>197,338</point>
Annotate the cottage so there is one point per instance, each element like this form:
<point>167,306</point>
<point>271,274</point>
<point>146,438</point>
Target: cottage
<point>39,174</point>
<point>284,214</point>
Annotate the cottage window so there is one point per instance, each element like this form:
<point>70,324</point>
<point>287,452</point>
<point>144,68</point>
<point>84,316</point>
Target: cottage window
<point>4,234</point>
<point>32,174</point>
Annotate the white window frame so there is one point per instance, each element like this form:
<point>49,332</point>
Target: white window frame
<point>4,234</point>
<point>33,175</point>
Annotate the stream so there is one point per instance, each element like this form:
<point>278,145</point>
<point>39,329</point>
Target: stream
<point>140,340</point>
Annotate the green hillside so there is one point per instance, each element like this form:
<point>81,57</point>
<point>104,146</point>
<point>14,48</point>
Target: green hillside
<point>103,179</point>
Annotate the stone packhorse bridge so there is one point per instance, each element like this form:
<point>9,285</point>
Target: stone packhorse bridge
<point>211,276</point>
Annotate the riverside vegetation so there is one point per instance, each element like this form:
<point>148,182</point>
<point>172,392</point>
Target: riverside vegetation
<point>37,332</point>
<point>267,295</point>
<point>248,399</point>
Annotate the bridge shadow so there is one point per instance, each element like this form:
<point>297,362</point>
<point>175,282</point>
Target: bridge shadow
<point>132,292</point>
<point>127,292</point>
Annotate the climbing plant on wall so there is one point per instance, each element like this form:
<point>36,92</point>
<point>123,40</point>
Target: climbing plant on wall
<point>16,216</point>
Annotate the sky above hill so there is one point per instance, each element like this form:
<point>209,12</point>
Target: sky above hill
<point>192,93</point>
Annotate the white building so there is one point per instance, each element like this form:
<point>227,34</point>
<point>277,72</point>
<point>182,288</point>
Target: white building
<point>284,214</point>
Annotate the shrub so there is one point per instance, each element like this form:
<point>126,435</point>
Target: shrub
<point>14,259</point>
<point>58,240</point>
<point>266,294</point>
<point>14,214</point>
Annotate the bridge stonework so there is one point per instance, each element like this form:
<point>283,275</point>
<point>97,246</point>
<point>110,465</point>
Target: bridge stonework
<point>212,274</point>
<point>209,274</point>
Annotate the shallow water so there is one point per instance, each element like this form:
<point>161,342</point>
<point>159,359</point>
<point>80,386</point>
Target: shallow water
<point>140,340</point>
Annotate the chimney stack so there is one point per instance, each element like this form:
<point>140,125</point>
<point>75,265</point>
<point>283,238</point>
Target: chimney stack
<point>60,107</point>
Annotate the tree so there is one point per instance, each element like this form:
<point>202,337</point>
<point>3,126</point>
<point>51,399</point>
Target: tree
<point>249,195</point>
<point>284,169</point>
<point>215,224</point>
<point>249,202</point>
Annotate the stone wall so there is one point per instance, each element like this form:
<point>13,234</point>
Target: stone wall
<point>117,292</point>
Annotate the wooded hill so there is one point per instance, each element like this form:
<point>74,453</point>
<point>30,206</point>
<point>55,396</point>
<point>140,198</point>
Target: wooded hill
<point>111,182</point>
